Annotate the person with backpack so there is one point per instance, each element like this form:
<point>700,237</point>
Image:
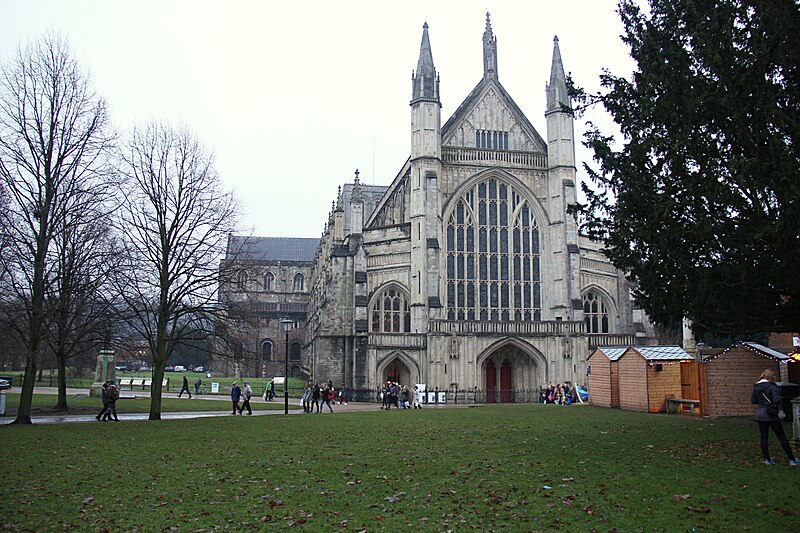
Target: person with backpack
<point>104,398</point>
<point>315,395</point>
<point>112,394</point>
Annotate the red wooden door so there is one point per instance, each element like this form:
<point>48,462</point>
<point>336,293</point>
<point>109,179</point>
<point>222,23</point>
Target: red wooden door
<point>505,382</point>
<point>491,375</point>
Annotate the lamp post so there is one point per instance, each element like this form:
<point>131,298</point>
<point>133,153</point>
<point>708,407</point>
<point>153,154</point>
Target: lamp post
<point>286,322</point>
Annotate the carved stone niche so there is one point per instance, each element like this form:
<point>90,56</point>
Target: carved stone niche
<point>454,346</point>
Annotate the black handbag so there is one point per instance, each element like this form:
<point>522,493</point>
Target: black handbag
<point>773,409</point>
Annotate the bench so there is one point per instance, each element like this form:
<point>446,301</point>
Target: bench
<point>682,405</point>
<point>126,382</point>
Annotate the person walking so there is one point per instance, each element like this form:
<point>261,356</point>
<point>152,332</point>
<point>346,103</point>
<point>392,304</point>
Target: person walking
<point>315,394</point>
<point>417,398</point>
<point>112,394</point>
<point>325,398</point>
<point>185,387</point>
<point>247,393</point>
<point>768,397</point>
<point>236,394</point>
<point>104,399</point>
<point>197,384</point>
<point>307,398</point>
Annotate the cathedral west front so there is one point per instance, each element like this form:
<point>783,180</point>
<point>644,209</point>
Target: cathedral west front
<point>465,273</point>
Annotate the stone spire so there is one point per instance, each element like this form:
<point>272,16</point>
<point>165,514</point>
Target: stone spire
<point>425,82</point>
<point>557,95</point>
<point>489,51</point>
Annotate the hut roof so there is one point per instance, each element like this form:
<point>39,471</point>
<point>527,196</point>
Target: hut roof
<point>612,352</point>
<point>662,353</point>
<point>756,348</point>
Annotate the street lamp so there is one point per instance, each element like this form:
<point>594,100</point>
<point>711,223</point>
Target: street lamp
<point>287,325</point>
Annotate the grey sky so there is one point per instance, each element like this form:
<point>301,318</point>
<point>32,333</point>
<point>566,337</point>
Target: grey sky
<point>292,97</point>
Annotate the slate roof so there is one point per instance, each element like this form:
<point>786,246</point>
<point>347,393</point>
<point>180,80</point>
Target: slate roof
<point>760,349</point>
<point>297,249</point>
<point>613,352</point>
<point>663,353</point>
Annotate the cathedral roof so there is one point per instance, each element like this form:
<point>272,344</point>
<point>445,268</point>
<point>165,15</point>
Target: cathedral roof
<point>298,249</point>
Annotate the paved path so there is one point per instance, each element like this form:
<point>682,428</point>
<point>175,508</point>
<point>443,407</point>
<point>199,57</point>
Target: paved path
<point>59,419</point>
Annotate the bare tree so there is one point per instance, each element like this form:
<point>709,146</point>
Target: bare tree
<point>54,133</point>
<point>79,304</point>
<point>175,222</point>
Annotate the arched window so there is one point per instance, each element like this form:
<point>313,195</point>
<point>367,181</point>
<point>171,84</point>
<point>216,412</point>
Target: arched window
<point>294,351</point>
<point>298,282</point>
<point>269,281</point>
<point>493,256</point>
<point>391,313</point>
<point>266,350</point>
<point>241,280</point>
<point>595,313</point>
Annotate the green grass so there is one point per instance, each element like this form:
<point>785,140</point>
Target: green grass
<point>43,404</point>
<point>511,468</point>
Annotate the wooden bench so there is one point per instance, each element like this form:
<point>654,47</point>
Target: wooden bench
<point>682,405</point>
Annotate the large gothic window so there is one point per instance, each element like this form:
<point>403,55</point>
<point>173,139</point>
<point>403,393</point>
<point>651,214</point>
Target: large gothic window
<point>390,313</point>
<point>493,256</point>
<point>595,313</point>
<point>269,281</point>
<point>298,282</point>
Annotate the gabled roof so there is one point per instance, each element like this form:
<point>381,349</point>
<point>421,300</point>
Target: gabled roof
<point>612,352</point>
<point>298,249</point>
<point>759,349</point>
<point>474,98</point>
<point>662,353</point>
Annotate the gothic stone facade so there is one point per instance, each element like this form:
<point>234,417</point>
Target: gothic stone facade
<point>467,272</point>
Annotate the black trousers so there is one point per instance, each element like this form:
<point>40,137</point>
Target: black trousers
<point>777,428</point>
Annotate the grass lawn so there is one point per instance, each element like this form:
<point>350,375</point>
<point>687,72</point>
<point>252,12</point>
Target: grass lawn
<point>504,467</point>
<point>43,404</point>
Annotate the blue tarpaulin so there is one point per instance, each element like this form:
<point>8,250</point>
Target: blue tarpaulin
<point>583,394</point>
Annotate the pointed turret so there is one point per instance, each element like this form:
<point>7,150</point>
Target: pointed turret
<point>557,95</point>
<point>489,51</point>
<point>356,208</point>
<point>425,82</point>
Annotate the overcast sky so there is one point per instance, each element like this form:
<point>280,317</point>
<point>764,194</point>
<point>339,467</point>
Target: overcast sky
<point>292,97</point>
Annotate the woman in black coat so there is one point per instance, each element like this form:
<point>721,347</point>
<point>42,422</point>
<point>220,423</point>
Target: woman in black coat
<point>765,392</point>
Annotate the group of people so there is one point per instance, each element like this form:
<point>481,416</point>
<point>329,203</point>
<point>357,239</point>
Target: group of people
<point>561,394</point>
<point>315,396</point>
<point>392,394</point>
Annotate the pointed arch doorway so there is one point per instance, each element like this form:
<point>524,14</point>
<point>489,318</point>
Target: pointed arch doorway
<point>510,372</point>
<point>397,371</point>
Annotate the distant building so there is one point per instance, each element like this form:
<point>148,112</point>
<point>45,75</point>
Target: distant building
<point>467,271</point>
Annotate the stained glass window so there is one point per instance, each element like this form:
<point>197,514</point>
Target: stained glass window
<point>497,279</point>
<point>391,313</point>
<point>595,313</point>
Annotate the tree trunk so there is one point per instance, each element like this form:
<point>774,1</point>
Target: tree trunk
<point>61,403</point>
<point>26,395</point>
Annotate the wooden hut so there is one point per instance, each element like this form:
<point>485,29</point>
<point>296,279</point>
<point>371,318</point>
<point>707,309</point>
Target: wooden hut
<point>604,376</point>
<point>726,379</point>
<point>648,375</point>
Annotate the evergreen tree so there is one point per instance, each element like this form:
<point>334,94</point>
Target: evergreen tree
<point>701,202</point>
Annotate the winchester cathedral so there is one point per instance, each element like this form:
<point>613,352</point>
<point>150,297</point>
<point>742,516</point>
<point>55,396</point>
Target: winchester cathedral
<point>466,272</point>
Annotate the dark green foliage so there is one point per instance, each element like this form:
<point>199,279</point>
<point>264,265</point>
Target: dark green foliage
<point>701,202</point>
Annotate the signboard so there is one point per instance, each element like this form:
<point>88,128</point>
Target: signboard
<point>431,397</point>
<point>214,387</point>
<point>441,398</point>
